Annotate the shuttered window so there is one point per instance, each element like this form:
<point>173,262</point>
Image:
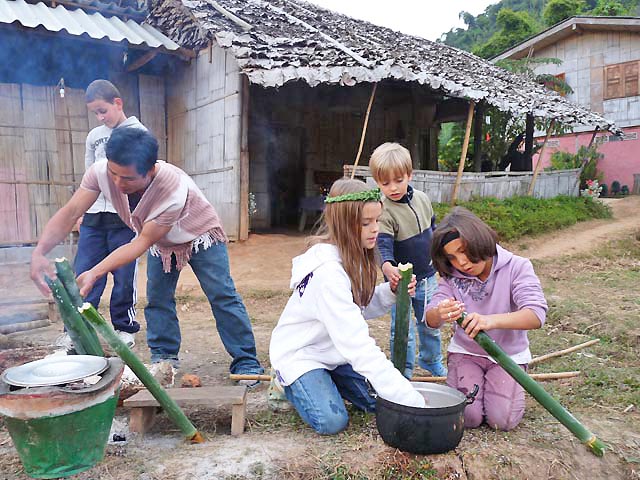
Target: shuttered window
<point>621,80</point>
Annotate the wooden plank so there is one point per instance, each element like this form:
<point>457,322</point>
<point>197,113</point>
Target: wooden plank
<point>152,109</point>
<point>201,396</point>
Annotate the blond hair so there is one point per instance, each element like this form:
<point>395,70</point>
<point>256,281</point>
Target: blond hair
<point>341,225</point>
<point>390,160</point>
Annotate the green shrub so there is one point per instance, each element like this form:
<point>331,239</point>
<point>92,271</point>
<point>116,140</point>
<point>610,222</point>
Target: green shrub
<point>624,190</point>
<point>515,217</point>
<point>615,187</point>
<point>564,161</point>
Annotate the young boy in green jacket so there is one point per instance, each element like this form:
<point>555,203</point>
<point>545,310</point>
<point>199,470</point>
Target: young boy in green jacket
<point>406,228</point>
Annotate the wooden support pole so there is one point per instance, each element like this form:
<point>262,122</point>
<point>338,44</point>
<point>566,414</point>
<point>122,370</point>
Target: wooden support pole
<point>463,155</point>
<point>364,129</point>
<point>539,162</point>
<point>477,137</point>
<point>528,142</point>
<point>243,233</point>
<point>542,358</point>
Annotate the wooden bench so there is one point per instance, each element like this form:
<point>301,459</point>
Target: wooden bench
<point>143,405</point>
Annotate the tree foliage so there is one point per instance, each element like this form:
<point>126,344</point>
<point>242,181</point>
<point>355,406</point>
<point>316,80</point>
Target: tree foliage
<point>513,28</point>
<point>558,10</point>
<point>585,156</point>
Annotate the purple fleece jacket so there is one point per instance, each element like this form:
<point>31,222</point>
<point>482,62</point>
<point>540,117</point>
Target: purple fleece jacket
<point>511,286</point>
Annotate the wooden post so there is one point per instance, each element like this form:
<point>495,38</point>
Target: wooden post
<point>477,137</point>
<point>364,129</point>
<point>463,155</point>
<point>243,232</point>
<point>539,162</point>
<point>528,142</point>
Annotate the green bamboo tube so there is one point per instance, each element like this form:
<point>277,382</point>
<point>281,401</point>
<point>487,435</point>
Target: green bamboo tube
<point>76,327</point>
<point>403,315</point>
<point>166,402</point>
<point>68,278</point>
<point>540,394</point>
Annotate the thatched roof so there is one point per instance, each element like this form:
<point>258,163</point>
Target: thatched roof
<point>278,41</point>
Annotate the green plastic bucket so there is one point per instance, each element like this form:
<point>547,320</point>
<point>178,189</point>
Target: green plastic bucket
<point>58,432</point>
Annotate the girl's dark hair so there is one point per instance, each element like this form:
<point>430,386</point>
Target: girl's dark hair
<point>101,90</point>
<point>478,238</point>
<point>132,146</point>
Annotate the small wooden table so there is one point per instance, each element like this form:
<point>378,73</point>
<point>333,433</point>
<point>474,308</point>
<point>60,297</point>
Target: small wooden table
<point>143,405</point>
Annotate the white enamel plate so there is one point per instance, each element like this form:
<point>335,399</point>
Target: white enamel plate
<point>56,370</point>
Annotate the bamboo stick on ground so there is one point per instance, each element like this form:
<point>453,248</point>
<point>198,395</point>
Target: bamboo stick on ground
<point>542,358</point>
<point>535,376</point>
<point>68,278</point>
<point>536,391</point>
<point>403,316</point>
<point>169,405</point>
<point>76,327</point>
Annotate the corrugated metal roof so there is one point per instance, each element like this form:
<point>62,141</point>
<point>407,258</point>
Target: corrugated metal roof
<point>78,22</point>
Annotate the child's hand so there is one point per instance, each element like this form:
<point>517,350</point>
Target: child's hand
<point>392,274</point>
<point>474,322</point>
<point>412,286</point>
<point>449,310</point>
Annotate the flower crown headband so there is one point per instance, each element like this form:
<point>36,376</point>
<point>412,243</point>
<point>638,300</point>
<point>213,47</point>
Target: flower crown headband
<point>366,196</point>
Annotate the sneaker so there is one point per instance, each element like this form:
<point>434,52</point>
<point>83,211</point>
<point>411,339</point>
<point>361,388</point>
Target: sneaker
<point>64,342</point>
<point>437,369</point>
<point>128,338</point>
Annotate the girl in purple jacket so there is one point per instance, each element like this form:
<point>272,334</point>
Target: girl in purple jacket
<point>502,296</point>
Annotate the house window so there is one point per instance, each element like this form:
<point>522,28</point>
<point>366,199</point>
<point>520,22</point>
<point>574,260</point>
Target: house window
<point>621,80</point>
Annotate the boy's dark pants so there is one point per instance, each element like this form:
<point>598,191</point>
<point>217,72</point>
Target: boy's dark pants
<point>100,235</point>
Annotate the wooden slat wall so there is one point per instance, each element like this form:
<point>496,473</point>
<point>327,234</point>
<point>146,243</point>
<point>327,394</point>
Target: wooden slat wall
<point>42,139</point>
<point>439,185</point>
<point>204,109</point>
<point>152,110</point>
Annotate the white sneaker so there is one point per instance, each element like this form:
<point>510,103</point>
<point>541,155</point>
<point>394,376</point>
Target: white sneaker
<point>64,341</point>
<point>128,338</point>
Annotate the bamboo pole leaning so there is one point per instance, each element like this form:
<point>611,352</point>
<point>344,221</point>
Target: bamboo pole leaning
<point>364,129</point>
<point>596,445</point>
<point>83,341</point>
<point>403,315</point>
<point>542,358</point>
<point>68,278</point>
<point>135,364</point>
<point>536,171</point>
<point>463,154</point>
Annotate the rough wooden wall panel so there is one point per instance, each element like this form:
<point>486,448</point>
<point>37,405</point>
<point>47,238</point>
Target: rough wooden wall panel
<point>152,109</point>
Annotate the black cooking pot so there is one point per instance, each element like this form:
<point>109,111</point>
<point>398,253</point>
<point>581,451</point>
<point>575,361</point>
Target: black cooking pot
<point>435,428</point>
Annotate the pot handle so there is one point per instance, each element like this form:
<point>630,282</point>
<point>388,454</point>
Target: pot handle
<point>471,397</point>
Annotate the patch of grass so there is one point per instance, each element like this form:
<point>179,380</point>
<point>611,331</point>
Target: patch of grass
<point>515,217</point>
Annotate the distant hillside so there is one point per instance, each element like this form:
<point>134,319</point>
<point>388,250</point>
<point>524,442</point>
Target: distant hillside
<point>487,34</point>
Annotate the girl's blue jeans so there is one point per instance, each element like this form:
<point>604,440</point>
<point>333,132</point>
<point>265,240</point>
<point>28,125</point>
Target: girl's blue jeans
<point>211,267</point>
<point>318,397</point>
<point>430,354</point>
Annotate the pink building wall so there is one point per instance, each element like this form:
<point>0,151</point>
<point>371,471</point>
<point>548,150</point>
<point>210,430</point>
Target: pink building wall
<point>621,158</point>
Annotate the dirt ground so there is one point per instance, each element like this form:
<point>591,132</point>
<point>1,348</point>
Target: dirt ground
<point>278,445</point>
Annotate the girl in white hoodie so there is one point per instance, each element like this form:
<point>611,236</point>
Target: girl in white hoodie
<point>321,349</point>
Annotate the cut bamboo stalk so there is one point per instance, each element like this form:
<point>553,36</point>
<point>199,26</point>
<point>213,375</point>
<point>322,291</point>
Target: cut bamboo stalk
<point>535,376</point>
<point>168,404</point>
<point>246,376</point>
<point>68,278</point>
<point>542,358</point>
<point>403,314</point>
<point>463,154</point>
<point>596,446</point>
<point>75,325</point>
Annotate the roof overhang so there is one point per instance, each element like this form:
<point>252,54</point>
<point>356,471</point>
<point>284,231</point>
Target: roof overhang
<point>566,28</point>
<point>94,26</point>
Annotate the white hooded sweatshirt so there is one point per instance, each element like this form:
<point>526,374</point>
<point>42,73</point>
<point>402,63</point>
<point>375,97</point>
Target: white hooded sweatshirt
<point>322,327</point>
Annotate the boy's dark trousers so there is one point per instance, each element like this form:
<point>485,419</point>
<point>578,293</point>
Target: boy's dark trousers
<point>100,234</point>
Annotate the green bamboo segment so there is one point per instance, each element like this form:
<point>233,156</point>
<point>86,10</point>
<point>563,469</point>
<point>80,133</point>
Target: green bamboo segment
<point>68,278</point>
<point>540,394</point>
<point>134,363</point>
<point>78,330</point>
<point>403,316</point>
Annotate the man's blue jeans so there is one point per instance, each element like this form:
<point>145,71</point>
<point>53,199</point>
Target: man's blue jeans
<point>211,267</point>
<point>94,245</point>
<point>430,355</point>
<point>318,397</point>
